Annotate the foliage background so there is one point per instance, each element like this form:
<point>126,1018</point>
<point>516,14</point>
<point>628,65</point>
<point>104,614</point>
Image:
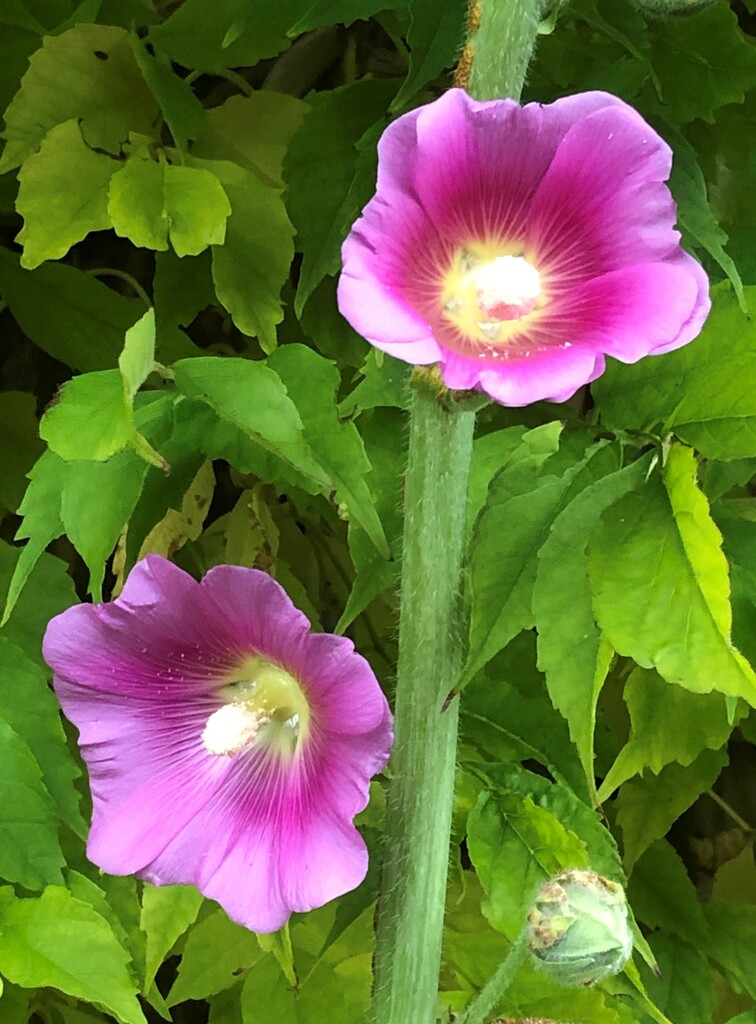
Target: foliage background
<point>175,183</point>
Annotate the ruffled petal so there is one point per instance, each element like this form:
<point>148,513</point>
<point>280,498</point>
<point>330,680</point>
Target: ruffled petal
<point>603,203</point>
<point>631,312</point>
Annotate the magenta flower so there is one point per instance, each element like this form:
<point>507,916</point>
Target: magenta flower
<point>517,246</point>
<point>227,746</point>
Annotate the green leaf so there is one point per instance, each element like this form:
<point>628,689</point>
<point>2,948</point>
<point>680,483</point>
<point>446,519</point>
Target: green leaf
<point>87,73</point>
<point>63,195</point>
<point>312,383</point>
<point>91,418</point>
<point>137,360</point>
<point>320,13</point>
<point>435,35</point>
<point>251,397</point>
<point>49,591</point>
<point>229,34</point>
<point>515,846</point>
<point>570,647</point>
<point>703,62</point>
<point>507,715</point>
<point>56,941</point>
<point>183,112</point>
<point>709,401</point>
<point>182,288</point>
<point>216,951</point>
<point>694,214</point>
<point>252,131</point>
<point>28,706</point>
<point>67,313</point>
<point>14,1004</point>
<point>648,806</point>
<point>250,268</point>
<point>30,853</point>
<point>503,555</point>
<point>661,587</point>
<point>320,168</point>
<point>19,444</point>
<point>41,524</point>
<point>663,896</point>
<point>733,942</point>
<point>167,912</point>
<point>151,202</point>
<point>668,723</point>
<point>96,503</point>
<point>685,990</point>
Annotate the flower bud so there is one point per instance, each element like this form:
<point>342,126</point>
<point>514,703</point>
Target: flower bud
<point>578,929</point>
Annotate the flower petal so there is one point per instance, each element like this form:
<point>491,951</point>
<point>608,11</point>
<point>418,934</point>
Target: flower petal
<point>603,203</point>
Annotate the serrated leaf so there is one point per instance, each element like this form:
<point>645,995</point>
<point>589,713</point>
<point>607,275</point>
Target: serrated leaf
<point>252,131</point>
<point>703,62</point>
<point>216,950</point>
<point>137,359</point>
<point>183,112</point>
<point>167,912</point>
<point>708,400</point>
<point>50,590</point>
<point>435,37</point>
<point>663,896</point>
<point>30,853</point>
<point>515,846</point>
<point>661,591</point>
<point>62,195</point>
<point>250,268</point>
<point>685,988</point>
<point>57,941</point>
<point>150,203</point>
<point>251,397</point>
<point>695,215</point>
<point>312,383</point>
<point>87,73</point>
<point>319,13</point>
<point>509,532</point>
<point>28,706</point>
<point>648,806</point>
<point>41,524</point>
<point>90,419</point>
<point>96,502</point>
<point>182,288</point>
<point>319,169</point>
<point>571,651</point>
<point>68,313</point>
<point>227,35</point>
<point>668,723</point>
<point>733,942</point>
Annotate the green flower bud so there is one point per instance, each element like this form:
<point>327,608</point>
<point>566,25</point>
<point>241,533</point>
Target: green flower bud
<point>578,929</point>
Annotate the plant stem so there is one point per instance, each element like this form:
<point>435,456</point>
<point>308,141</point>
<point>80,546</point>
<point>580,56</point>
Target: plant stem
<point>741,822</point>
<point>411,909</point>
<point>431,642</point>
<point>503,46</point>
<point>496,987</point>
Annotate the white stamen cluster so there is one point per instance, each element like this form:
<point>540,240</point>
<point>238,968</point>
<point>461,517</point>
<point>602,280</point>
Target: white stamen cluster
<point>231,728</point>
<point>506,287</point>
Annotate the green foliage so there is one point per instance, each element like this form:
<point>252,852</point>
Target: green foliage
<point>176,183</point>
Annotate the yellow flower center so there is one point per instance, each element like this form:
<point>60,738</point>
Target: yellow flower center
<point>486,293</point>
<point>265,704</point>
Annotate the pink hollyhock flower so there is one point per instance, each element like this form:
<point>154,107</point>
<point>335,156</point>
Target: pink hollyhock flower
<point>518,246</point>
<point>227,746</point>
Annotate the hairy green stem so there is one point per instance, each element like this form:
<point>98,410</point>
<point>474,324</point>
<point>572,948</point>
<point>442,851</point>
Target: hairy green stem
<point>503,46</point>
<point>411,908</point>
<point>496,987</point>
<point>431,641</point>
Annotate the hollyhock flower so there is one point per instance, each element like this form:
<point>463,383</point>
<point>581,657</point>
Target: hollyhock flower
<point>227,746</point>
<point>518,246</point>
